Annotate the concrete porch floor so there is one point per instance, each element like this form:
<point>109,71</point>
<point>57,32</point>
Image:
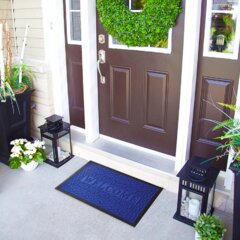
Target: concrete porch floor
<point>31,208</point>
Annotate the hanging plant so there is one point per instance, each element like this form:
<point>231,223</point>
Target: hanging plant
<point>144,28</point>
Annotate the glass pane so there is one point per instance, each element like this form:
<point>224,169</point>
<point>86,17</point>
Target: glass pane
<point>225,4</point>
<point>223,30</point>
<point>116,42</point>
<point>74,4</point>
<point>160,44</point>
<point>210,200</point>
<point>63,149</point>
<point>137,4</point>
<point>49,149</point>
<point>75,23</point>
<point>190,205</point>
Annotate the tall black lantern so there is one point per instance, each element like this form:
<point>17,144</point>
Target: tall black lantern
<point>196,190</point>
<point>57,137</point>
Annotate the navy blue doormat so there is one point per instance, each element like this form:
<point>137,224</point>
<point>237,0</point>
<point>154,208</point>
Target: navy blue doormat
<point>117,194</point>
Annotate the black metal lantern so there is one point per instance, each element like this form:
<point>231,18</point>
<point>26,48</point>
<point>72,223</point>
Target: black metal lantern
<point>57,137</point>
<point>196,190</point>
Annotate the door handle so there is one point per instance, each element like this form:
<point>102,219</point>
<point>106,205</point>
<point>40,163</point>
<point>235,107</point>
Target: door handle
<point>101,60</point>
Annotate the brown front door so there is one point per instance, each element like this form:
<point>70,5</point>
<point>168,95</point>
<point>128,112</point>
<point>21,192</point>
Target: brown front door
<point>72,14</point>
<point>217,79</point>
<point>139,102</point>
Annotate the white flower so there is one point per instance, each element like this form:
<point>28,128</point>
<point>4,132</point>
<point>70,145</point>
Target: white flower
<point>14,155</point>
<point>30,156</point>
<point>16,150</point>
<point>38,144</point>
<point>22,141</point>
<point>28,145</point>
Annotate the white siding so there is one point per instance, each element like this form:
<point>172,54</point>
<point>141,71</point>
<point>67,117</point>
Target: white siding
<point>4,9</point>
<point>30,12</point>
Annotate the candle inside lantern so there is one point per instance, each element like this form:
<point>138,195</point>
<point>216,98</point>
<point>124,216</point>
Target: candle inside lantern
<point>194,208</point>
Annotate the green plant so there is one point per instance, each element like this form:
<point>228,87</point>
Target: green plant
<point>144,28</point>
<point>231,132</point>
<point>24,151</point>
<point>16,78</point>
<point>13,76</point>
<point>209,227</point>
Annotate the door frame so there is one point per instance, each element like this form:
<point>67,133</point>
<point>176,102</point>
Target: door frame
<point>54,27</point>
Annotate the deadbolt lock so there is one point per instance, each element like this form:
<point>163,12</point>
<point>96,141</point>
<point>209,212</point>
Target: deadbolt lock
<point>101,38</point>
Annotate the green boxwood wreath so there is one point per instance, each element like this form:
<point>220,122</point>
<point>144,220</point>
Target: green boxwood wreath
<point>145,28</point>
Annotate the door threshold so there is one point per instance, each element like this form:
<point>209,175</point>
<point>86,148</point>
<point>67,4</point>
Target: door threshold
<point>130,152</point>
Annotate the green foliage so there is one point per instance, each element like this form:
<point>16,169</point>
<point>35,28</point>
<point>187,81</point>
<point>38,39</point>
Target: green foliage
<point>6,90</point>
<point>231,132</point>
<point>27,76</point>
<point>236,164</point>
<point>148,27</point>
<point>209,227</point>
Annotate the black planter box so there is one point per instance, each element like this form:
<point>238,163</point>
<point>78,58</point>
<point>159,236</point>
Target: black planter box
<point>236,205</point>
<point>14,125</point>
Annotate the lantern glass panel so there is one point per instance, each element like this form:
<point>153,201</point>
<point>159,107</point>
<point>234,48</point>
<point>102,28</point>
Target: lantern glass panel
<point>64,150</point>
<point>210,200</point>
<point>49,146</point>
<point>190,204</point>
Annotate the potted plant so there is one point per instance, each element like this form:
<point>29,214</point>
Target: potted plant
<point>208,227</point>
<point>15,95</point>
<point>26,154</point>
<point>231,146</point>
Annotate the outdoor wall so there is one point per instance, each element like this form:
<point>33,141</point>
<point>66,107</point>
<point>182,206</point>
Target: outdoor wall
<point>30,12</point>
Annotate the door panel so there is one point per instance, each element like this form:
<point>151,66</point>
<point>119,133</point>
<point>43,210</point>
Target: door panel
<point>155,98</point>
<point>140,101</point>
<point>120,94</point>
<point>74,61</point>
<point>217,79</point>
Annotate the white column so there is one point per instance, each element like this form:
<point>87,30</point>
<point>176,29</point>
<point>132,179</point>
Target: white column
<point>89,60</point>
<point>55,54</point>
<point>188,80</point>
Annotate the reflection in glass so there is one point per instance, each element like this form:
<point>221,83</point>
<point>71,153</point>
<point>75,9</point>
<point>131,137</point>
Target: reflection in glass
<point>160,44</point>
<point>226,5</point>
<point>223,30</point>
<point>137,4</point>
<point>75,4</point>
<point>75,26</point>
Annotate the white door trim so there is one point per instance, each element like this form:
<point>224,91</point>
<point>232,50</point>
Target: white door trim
<point>54,26</point>
<point>188,81</point>
<point>88,19</point>
<point>54,37</point>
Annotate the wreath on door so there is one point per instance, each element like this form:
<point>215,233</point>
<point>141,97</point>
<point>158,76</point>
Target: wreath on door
<point>148,27</point>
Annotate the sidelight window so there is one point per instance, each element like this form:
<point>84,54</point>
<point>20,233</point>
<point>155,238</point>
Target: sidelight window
<point>162,47</point>
<point>222,29</point>
<point>73,17</point>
